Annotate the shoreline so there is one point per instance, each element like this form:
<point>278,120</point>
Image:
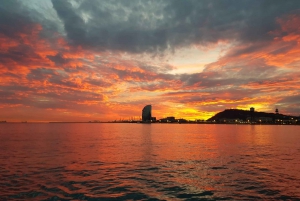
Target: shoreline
<point>109,122</point>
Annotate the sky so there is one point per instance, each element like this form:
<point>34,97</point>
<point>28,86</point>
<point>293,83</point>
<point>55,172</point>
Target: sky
<point>85,60</point>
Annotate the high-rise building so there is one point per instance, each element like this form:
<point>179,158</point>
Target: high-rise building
<point>252,113</point>
<point>146,113</point>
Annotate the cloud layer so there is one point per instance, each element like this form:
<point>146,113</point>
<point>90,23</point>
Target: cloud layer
<point>86,60</point>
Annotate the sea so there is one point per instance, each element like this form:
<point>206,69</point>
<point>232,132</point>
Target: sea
<point>123,161</point>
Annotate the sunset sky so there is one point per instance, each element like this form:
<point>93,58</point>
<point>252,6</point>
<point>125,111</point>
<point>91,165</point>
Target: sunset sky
<point>68,60</point>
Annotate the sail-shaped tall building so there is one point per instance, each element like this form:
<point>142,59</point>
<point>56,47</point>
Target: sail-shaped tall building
<point>146,113</point>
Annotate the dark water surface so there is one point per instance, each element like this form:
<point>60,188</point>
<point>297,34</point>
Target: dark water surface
<point>149,162</point>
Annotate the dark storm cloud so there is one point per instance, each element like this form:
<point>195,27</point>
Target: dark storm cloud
<point>58,59</point>
<point>12,18</point>
<point>19,55</point>
<point>151,26</point>
<point>40,74</point>
<point>73,23</point>
<point>16,18</point>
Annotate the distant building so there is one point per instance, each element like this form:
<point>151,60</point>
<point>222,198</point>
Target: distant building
<point>276,111</point>
<point>228,120</point>
<point>171,119</point>
<point>252,113</point>
<point>264,120</point>
<point>146,113</point>
<point>167,120</point>
<point>182,120</point>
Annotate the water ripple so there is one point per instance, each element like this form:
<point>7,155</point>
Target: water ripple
<point>149,166</point>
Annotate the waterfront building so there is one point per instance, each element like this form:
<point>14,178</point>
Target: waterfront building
<point>252,110</point>
<point>171,119</point>
<point>264,120</point>
<point>146,113</point>
<point>230,121</point>
<point>167,120</point>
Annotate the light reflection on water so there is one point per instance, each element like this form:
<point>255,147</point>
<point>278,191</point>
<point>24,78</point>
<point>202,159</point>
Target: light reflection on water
<point>149,162</point>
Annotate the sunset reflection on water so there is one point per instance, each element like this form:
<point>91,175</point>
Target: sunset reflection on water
<point>144,161</point>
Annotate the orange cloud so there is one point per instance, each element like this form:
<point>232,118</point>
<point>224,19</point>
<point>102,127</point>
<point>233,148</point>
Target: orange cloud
<point>76,83</point>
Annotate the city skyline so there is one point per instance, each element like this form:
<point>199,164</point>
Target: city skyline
<point>84,60</point>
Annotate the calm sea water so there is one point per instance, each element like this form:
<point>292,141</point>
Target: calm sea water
<point>149,162</point>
